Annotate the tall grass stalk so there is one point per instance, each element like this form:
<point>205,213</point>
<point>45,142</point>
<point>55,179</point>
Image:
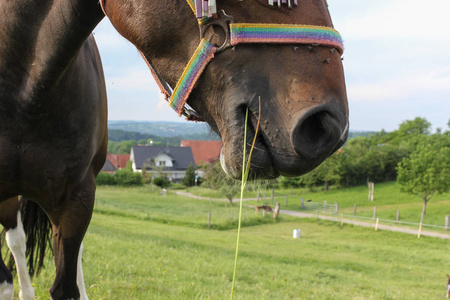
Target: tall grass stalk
<point>245,171</point>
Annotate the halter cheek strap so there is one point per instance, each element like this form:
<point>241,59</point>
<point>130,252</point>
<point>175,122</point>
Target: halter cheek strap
<point>202,56</point>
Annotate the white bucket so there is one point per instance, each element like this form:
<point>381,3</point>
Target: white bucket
<point>296,233</point>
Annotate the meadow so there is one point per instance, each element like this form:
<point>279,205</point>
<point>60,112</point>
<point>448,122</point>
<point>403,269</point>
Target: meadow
<point>387,199</point>
<point>143,245</point>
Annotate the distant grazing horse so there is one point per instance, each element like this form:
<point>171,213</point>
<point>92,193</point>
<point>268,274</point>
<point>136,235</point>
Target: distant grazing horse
<point>263,207</point>
<point>220,57</point>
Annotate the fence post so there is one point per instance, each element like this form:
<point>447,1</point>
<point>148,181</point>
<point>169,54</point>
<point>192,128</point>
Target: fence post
<point>272,195</point>
<point>286,201</point>
<point>447,217</point>
<point>420,226</point>
<point>371,188</point>
<point>257,200</point>
<point>325,206</point>
<point>354,210</point>
<point>209,219</point>
<point>376,225</point>
<point>398,215</point>
<point>337,208</point>
<point>303,203</point>
<point>374,212</point>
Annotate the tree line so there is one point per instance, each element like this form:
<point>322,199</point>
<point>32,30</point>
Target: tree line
<point>375,158</point>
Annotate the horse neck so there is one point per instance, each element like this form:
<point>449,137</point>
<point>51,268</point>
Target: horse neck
<point>41,39</point>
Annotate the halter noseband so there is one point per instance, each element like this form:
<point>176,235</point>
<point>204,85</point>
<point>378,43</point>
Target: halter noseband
<point>236,33</point>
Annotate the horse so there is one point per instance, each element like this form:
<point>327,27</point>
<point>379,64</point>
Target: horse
<point>263,207</point>
<point>53,122</point>
<point>227,61</point>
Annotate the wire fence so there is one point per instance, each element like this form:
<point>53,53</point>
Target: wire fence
<point>333,209</point>
<point>320,207</point>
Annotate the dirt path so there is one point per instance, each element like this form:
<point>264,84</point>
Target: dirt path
<point>333,218</point>
<point>365,224</point>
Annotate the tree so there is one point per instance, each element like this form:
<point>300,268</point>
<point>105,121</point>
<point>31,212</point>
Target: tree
<point>189,178</point>
<point>426,172</point>
<point>216,178</point>
<point>416,126</point>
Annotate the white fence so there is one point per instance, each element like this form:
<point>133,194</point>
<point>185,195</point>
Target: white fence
<point>333,209</point>
<point>320,207</point>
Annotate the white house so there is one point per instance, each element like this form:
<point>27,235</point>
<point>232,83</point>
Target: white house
<point>172,162</point>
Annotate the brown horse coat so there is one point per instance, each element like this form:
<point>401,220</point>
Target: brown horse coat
<point>53,113</point>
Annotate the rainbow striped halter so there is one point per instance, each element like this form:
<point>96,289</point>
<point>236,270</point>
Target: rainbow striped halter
<point>236,33</point>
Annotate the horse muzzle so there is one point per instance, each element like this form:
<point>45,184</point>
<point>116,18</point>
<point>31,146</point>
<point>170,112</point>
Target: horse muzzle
<point>316,133</point>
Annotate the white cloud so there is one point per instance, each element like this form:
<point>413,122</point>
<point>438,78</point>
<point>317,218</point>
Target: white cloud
<point>426,81</point>
<point>133,79</point>
<point>395,19</point>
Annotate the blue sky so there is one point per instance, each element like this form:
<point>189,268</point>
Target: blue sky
<point>396,62</point>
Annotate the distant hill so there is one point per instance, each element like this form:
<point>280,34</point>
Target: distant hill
<point>356,134</point>
<point>137,130</point>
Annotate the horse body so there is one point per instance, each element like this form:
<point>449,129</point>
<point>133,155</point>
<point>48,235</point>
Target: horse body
<point>53,115</point>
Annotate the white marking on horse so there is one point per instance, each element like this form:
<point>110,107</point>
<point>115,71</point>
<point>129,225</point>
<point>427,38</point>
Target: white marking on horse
<point>80,278</point>
<point>6,291</point>
<point>15,238</point>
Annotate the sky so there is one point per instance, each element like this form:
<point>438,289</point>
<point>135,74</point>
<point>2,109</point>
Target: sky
<point>396,63</point>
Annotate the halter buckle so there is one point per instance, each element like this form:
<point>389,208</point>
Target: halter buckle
<point>222,20</point>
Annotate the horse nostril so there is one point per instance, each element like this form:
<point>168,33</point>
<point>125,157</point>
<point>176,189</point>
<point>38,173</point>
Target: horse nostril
<point>317,133</point>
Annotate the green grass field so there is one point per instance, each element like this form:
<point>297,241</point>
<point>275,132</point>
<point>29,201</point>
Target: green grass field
<point>142,245</point>
<point>387,198</point>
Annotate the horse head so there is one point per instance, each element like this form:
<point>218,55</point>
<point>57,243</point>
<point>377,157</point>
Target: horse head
<point>300,87</point>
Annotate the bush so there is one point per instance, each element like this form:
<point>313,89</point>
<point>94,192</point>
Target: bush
<point>127,177</point>
<point>106,179</point>
<point>161,182</point>
<point>177,186</point>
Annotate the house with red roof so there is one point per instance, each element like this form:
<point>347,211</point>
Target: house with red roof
<point>115,162</point>
<point>204,151</point>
